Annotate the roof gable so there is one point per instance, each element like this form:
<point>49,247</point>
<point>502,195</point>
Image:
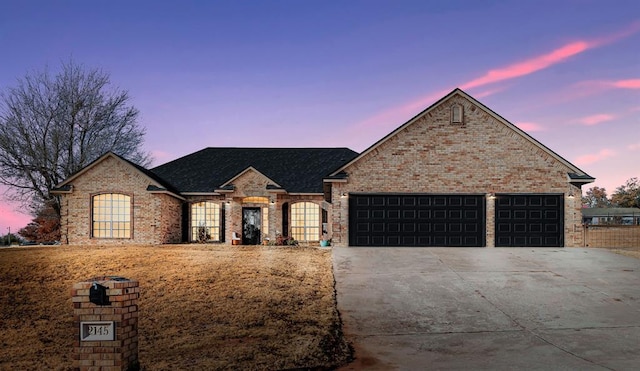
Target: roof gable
<point>574,174</point>
<point>156,184</point>
<point>250,169</point>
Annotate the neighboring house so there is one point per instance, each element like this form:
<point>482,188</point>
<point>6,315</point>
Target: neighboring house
<point>457,174</point>
<point>611,215</point>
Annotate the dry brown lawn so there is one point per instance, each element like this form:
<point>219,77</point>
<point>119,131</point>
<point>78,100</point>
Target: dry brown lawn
<point>633,252</point>
<point>202,307</point>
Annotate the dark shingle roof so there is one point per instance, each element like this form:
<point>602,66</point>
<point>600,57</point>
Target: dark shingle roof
<point>297,170</point>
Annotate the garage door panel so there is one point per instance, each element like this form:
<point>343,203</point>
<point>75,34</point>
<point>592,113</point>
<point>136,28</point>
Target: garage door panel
<point>409,228</point>
<point>551,228</point>
<point>472,228</point>
<point>408,214</point>
<point>417,220</point>
<point>440,201</point>
<point>439,214</point>
<point>535,214</point>
<point>389,241</point>
<point>529,220</point>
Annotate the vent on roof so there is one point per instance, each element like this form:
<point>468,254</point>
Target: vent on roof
<point>457,114</point>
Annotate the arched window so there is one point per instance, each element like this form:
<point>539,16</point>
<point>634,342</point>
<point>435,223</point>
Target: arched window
<point>111,216</point>
<point>305,221</point>
<point>255,200</point>
<point>205,221</point>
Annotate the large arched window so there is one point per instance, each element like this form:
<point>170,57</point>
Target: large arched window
<point>205,221</point>
<point>305,221</point>
<point>111,216</point>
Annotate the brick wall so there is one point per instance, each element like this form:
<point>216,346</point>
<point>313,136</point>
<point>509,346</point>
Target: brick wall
<point>483,156</point>
<point>253,184</point>
<point>121,353</point>
<point>155,217</point>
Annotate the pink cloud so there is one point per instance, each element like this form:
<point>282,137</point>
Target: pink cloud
<point>596,119</point>
<point>531,65</point>
<point>627,84</point>
<point>530,126</point>
<point>634,147</point>
<point>518,69</point>
<point>489,92</point>
<point>594,157</point>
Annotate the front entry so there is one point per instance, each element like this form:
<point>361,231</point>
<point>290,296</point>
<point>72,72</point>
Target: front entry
<point>251,222</point>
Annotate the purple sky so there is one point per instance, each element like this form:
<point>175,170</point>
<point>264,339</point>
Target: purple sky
<point>346,73</point>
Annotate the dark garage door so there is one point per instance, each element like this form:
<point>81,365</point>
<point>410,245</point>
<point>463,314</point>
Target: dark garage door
<point>529,220</point>
<point>416,220</point>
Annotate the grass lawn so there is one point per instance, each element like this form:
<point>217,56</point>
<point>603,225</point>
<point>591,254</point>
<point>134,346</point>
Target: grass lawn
<point>633,252</point>
<point>202,307</point>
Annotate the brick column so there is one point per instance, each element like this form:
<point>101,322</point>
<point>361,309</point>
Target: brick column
<point>106,334</point>
<point>491,221</point>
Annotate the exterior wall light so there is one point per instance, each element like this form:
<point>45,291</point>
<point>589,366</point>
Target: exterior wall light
<point>491,196</point>
<point>344,195</point>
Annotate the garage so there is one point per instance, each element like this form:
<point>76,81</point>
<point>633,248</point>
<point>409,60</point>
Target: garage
<point>529,220</point>
<point>416,220</point>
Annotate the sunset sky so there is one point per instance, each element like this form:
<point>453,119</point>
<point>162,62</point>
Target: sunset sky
<point>299,73</point>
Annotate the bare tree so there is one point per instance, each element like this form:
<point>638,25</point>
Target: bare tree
<point>52,126</point>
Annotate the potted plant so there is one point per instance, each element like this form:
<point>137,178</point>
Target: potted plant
<point>325,241</point>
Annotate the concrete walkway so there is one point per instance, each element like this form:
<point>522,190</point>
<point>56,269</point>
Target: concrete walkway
<point>492,309</point>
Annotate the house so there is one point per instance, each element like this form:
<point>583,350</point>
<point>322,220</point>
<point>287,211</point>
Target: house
<point>611,215</point>
<point>456,174</point>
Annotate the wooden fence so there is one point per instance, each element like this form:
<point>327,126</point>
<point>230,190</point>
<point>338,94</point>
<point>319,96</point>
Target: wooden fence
<point>612,235</point>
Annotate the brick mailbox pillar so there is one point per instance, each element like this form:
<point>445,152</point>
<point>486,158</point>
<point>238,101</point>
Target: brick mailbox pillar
<point>105,318</point>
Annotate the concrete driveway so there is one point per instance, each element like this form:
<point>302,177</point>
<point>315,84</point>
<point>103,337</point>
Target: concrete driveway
<point>498,309</point>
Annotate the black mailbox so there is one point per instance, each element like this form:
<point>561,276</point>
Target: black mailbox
<point>98,294</point>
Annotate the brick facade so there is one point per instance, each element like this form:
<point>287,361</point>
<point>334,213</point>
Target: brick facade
<point>482,155</point>
<point>473,152</point>
<point>155,217</point>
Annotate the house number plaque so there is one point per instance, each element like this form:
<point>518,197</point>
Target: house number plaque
<point>97,331</point>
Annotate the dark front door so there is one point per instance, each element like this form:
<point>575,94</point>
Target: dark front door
<point>416,220</point>
<point>251,222</point>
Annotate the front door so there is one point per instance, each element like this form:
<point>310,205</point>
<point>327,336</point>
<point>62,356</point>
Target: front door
<point>251,222</point>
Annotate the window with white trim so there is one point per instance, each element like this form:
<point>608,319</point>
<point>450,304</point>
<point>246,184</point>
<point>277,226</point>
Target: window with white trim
<point>305,221</point>
<point>111,216</point>
<point>205,221</point>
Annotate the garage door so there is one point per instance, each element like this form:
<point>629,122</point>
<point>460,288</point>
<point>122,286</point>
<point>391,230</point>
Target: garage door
<point>529,220</point>
<point>416,220</point>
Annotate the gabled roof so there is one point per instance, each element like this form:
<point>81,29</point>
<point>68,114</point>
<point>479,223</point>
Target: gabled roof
<point>157,185</point>
<point>296,170</point>
<point>575,174</point>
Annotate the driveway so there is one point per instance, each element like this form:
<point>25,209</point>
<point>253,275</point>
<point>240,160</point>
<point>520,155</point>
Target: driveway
<point>498,309</point>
